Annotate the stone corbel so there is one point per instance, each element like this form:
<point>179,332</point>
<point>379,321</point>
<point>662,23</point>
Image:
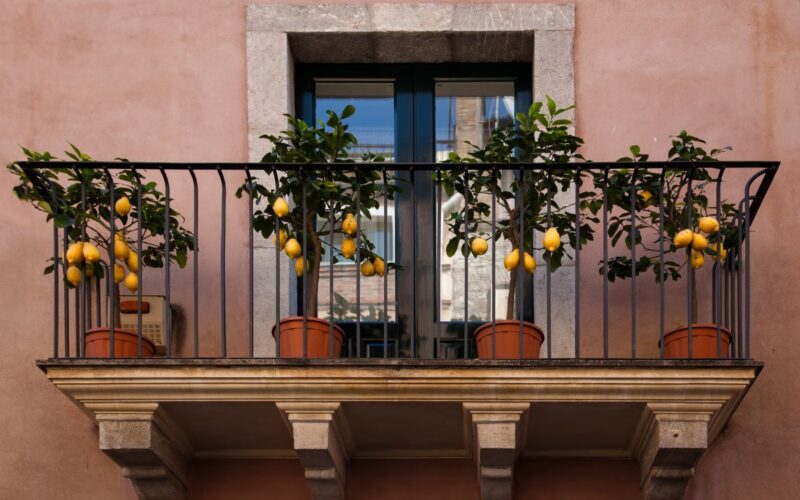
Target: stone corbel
<point>148,447</point>
<point>322,443</point>
<point>674,437</point>
<point>498,431</point>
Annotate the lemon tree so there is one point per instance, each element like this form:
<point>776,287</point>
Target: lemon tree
<point>331,195</point>
<point>57,192</point>
<point>540,135</point>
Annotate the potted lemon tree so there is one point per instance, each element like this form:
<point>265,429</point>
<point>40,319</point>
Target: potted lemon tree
<point>541,135</point>
<point>79,202</point>
<point>692,232</point>
<point>331,198</point>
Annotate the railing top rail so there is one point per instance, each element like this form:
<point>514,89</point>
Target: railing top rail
<point>655,165</point>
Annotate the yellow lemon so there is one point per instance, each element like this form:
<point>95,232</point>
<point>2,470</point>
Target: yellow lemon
<point>75,253</point>
<point>708,225</point>
<point>300,266</point>
<point>280,207</point>
<point>132,282</point>
<point>281,238</point>
<point>91,253</point>
<point>132,261</point>
<point>292,248</point>
<point>512,260</point>
<point>699,242</point>
<point>123,206</point>
<point>479,246</point>
<point>718,255</point>
<point>74,275</point>
<point>348,248</point>
<point>551,240</point>
<point>121,250</point>
<point>529,262</point>
<point>349,224</point>
<point>697,259</point>
<point>683,238</point>
<point>119,273</point>
<point>646,196</point>
<point>379,266</point>
<point>367,269</point>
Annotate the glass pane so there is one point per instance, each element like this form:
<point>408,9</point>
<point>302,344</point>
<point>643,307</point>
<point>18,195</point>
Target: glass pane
<point>373,125</point>
<point>467,111</point>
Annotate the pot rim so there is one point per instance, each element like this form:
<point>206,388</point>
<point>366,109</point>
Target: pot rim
<point>699,326</point>
<point>312,319</point>
<point>98,331</point>
<point>533,328</point>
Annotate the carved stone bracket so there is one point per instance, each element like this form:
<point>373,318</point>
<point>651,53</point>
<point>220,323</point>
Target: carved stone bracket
<point>674,437</point>
<point>148,447</point>
<point>322,443</point>
<point>498,429</point>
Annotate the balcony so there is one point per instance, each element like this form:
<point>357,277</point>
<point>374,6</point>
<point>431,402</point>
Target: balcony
<point>409,380</point>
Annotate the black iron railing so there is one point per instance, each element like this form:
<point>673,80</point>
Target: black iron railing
<point>77,310</point>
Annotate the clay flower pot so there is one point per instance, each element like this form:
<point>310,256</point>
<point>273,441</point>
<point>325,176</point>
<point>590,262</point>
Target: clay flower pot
<point>704,342</point>
<point>318,338</point>
<point>98,344</point>
<point>507,340</point>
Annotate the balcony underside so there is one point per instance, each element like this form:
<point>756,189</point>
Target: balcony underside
<point>662,413</point>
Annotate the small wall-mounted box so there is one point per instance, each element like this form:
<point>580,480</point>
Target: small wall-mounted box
<point>153,327</point>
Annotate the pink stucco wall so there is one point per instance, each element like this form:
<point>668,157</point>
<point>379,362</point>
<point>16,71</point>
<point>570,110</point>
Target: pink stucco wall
<point>154,80</point>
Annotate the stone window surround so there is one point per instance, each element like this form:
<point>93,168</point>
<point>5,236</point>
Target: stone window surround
<point>278,35</point>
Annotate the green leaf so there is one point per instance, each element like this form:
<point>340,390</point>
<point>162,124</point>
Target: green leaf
<point>348,111</point>
<point>551,105</point>
<point>63,220</point>
<point>452,247</point>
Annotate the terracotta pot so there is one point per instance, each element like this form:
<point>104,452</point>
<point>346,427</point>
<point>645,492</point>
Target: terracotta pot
<point>704,342</point>
<point>507,340</point>
<point>318,338</point>
<point>126,342</point>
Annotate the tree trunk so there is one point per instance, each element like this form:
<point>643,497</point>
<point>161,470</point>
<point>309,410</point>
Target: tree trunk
<point>512,284</point>
<point>312,289</point>
<point>694,294</point>
<point>512,294</point>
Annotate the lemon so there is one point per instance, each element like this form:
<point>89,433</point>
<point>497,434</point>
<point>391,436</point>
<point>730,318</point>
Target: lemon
<point>551,240</point>
<point>721,254</point>
<point>529,262</point>
<point>74,275</point>
<point>119,273</point>
<point>683,238</point>
<point>512,260</point>
<point>121,249</point>
<point>123,206</point>
<point>708,225</point>
<point>300,266</point>
<point>349,224</point>
<point>348,248</point>
<point>131,282</point>
<point>75,253</point>
<point>91,253</point>
<point>379,266</point>
<point>479,246</point>
<point>646,196</point>
<point>699,242</point>
<point>280,207</point>
<point>132,261</point>
<point>697,259</point>
<point>367,269</point>
<point>281,238</point>
<point>292,248</point>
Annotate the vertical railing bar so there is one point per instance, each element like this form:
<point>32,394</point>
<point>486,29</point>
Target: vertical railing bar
<point>633,231</point>
<point>548,335</point>
<point>80,319</point>
<point>437,343</point>
<point>167,263</point>
<point>358,263</point>
<point>718,267</point>
<point>413,329</point>
<point>466,258</point>
<point>112,223</point>
<point>306,262</point>
<point>578,182</point>
<point>139,264</point>
<point>689,270</point>
<point>331,222</point>
<point>57,263</point>
<point>385,264</point>
<point>277,327</point>
<point>661,294</point>
<point>98,299</point>
<point>494,258</point>
<point>605,263</point>
<point>747,273</point>
<point>521,265</point>
<point>195,265</point>
<point>739,217</point>
<point>251,267</point>
<point>222,236</point>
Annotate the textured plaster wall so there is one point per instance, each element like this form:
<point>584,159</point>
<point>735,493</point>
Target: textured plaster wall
<point>166,81</point>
